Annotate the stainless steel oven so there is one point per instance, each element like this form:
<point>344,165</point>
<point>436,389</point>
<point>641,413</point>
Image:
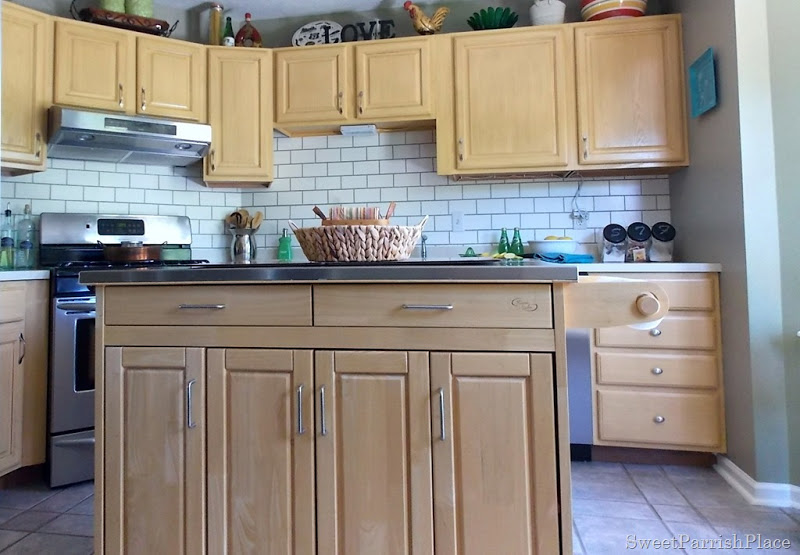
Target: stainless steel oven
<point>72,368</point>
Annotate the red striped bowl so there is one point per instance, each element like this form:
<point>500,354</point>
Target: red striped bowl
<point>595,10</point>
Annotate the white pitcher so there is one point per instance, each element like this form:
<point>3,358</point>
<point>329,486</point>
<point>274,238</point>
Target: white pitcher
<point>547,12</point>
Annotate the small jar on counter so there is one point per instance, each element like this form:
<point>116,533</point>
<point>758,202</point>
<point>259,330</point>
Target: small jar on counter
<point>614,243</point>
<point>663,239</point>
<point>639,241</point>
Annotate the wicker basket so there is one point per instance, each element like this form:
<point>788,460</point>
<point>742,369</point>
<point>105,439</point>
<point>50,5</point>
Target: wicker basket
<point>358,243</point>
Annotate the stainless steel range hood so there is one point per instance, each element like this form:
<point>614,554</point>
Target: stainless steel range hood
<point>120,138</point>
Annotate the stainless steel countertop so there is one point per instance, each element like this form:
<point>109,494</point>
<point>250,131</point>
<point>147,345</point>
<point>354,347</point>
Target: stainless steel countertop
<point>411,270</point>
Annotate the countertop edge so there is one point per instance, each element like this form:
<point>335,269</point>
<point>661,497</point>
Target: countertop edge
<point>651,267</point>
<point>24,275</point>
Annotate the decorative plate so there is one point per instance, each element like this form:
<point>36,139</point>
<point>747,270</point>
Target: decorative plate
<point>317,32</point>
<point>703,83</point>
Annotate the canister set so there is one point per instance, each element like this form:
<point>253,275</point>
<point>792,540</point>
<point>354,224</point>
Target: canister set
<point>638,243</point>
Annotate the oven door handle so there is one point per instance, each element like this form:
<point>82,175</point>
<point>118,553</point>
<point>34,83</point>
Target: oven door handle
<point>74,442</point>
<point>77,307</point>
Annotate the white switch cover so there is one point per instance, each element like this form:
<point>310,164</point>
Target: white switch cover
<point>458,220</point>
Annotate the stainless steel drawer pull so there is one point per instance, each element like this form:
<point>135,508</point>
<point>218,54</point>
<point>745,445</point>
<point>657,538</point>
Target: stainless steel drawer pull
<point>201,306</point>
<point>441,414</point>
<point>300,429</point>
<point>190,423</point>
<point>427,307</point>
<point>323,429</point>
<point>121,97</point>
<point>655,332</point>
<point>657,371</point>
<point>144,101</point>
<point>22,348</point>
<point>659,419</point>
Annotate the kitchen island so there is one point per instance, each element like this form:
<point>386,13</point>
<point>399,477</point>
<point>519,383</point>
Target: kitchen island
<point>340,408</point>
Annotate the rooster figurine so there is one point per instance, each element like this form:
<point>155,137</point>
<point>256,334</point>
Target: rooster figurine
<point>423,24</point>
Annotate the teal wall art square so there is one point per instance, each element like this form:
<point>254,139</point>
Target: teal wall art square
<point>703,83</point>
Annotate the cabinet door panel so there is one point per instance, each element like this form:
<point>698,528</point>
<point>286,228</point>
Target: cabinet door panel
<point>512,100</point>
<point>27,65</point>
<point>260,458</point>
<point>630,92</point>
<point>11,390</point>
<point>373,453</point>
<point>494,453</point>
<point>94,67</point>
<point>154,463</point>
<point>170,78</point>
<point>310,85</point>
<point>240,113</point>
<point>393,80</point>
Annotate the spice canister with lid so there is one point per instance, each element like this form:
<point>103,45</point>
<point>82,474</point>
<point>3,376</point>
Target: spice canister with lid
<point>639,241</point>
<point>614,243</point>
<point>663,240</point>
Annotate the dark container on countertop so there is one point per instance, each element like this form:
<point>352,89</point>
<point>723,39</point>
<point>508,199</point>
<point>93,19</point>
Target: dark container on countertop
<point>639,241</point>
<point>615,242</point>
<point>663,240</point>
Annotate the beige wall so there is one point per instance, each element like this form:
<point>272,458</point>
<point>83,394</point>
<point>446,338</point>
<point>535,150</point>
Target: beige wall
<point>785,80</point>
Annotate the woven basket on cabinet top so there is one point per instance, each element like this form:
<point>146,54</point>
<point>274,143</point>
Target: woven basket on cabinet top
<point>358,243</point>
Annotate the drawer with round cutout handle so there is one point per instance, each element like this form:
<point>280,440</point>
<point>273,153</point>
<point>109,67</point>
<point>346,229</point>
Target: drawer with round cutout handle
<point>661,369</point>
<point>682,331</point>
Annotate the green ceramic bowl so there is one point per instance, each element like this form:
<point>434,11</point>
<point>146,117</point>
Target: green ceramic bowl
<point>492,18</point>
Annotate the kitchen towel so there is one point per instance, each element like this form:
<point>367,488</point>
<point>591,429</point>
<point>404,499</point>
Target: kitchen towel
<point>565,258</point>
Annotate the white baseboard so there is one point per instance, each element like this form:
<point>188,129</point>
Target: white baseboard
<point>757,493</point>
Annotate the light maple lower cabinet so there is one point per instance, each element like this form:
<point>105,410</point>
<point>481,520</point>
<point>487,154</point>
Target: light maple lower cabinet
<point>11,387</point>
<point>154,457</point>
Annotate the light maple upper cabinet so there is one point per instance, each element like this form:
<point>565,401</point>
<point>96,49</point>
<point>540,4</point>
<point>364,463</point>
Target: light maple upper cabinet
<point>118,71</point>
<point>373,453</point>
<point>630,84</point>
<point>27,88</point>
<point>240,113</point>
<point>393,79</point>
<point>494,453</point>
<point>95,67</point>
<point>310,84</point>
<point>170,78</point>
<point>154,459</point>
<point>513,96</point>
<point>260,451</point>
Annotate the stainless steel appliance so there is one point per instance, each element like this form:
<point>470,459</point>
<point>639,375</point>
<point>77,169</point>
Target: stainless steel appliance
<point>71,243</point>
<point>85,135</point>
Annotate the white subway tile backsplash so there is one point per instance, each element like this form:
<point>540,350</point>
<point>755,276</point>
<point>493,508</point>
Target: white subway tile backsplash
<point>290,143</point>
<point>626,218</point>
<point>331,182</point>
<point>380,180</point>
<point>290,170</point>
<point>131,168</point>
<point>491,206</point>
<point>609,203</point>
<point>478,222</point>
<point>662,202</point>
<point>158,197</point>
<point>476,191</point>
<point>288,199</point>
<point>548,204</point>
<point>442,223</point>
<point>186,198</point>
<point>315,197</point>
<point>365,168</point>
<point>625,187</point>
<point>143,209</point>
<point>379,153</point>
<point>120,180</point>
<point>129,195</point>
<point>534,221</point>
<point>171,182</point>
<point>436,207</point>
<point>392,166</point>
<point>82,177</point>
<point>405,151</point>
<point>505,190</point>
<point>67,164</point>
<point>390,195</point>
<point>519,205</point>
<point>340,168</point>
<point>304,157</point>
<point>339,141</point>
<point>354,154</point>
<point>158,170</point>
<point>366,196</point>
<point>281,157</point>
<point>419,137</point>
<point>655,186</point>
<point>407,180</point>
<point>561,219</point>
<point>315,142</point>
<point>419,165</point>
<point>328,155</point>
<point>505,220</point>
<point>392,138</point>
<point>427,151</point>
<point>431,178</point>
<point>640,203</point>
<point>342,196</point>
<point>301,183</point>
<point>366,140</point>
<point>313,170</point>
<point>81,206</point>
<point>212,198</point>
<point>141,181</point>
<point>449,192</point>
<point>421,193</point>
<point>354,181</point>
<point>100,166</point>
<point>66,192</point>
<point>51,176</point>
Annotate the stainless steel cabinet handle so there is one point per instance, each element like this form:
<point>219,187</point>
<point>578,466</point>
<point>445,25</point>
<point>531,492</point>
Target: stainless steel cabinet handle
<point>339,102</point>
<point>38,144</point>
<point>427,307</point>
<point>585,147</point>
<point>655,332</point>
<point>323,429</point>
<point>201,306</point>
<point>144,101</point>
<point>121,97</point>
<point>659,419</point>
<point>213,161</point>
<point>189,422</point>
<point>360,102</point>
<point>657,371</point>
<point>441,414</point>
<point>21,348</point>
<point>300,429</point>
<point>461,149</point>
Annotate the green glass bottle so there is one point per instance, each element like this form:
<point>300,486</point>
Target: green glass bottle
<point>503,245</point>
<point>516,243</point>
<point>228,38</point>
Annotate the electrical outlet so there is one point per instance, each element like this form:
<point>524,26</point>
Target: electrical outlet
<point>579,219</point>
<point>458,220</point>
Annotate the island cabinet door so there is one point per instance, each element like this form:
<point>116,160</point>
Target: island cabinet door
<point>11,388</point>
<point>154,450</point>
<point>260,452</point>
<point>494,458</point>
<point>373,453</point>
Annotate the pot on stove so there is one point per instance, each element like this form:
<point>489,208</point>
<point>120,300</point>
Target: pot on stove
<point>131,251</point>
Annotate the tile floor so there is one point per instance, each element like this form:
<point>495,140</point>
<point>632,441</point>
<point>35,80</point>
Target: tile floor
<point>610,502</point>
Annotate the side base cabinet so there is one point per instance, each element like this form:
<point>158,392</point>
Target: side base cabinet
<point>418,434</point>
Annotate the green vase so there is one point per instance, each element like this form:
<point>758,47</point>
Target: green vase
<point>113,5</point>
<point>142,8</point>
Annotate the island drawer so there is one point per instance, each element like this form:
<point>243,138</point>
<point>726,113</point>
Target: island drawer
<point>434,305</point>
<point>657,369</point>
<point>696,331</point>
<point>208,305</point>
<point>12,301</point>
<point>684,291</point>
<point>690,419</point>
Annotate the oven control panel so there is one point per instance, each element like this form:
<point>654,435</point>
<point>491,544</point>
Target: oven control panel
<point>118,226</point>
